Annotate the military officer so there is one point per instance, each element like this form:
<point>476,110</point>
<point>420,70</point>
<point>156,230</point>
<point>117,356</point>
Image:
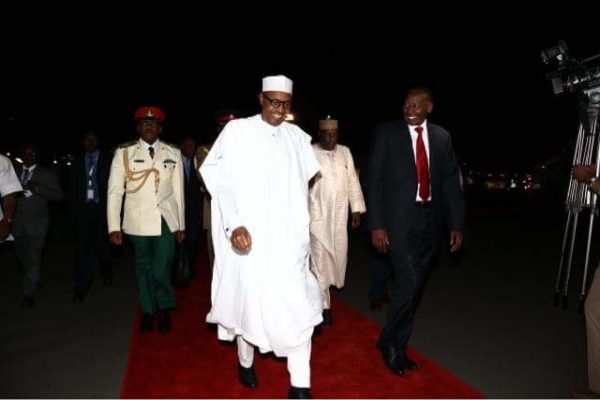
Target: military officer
<point>149,173</point>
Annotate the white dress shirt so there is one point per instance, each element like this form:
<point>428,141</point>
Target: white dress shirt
<point>413,136</point>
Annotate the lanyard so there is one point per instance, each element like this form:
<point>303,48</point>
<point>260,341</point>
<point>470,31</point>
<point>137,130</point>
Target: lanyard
<point>91,174</point>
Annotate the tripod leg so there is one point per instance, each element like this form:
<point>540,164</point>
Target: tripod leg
<point>570,262</point>
<point>587,259</point>
<point>562,259</point>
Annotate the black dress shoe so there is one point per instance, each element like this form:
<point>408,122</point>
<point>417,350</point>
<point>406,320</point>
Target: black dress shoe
<point>147,323</point>
<point>327,320</point>
<point>392,361</point>
<point>299,393</point>
<point>78,297</point>
<point>164,321</point>
<point>28,301</point>
<point>248,377</point>
<point>409,364</point>
<point>107,282</point>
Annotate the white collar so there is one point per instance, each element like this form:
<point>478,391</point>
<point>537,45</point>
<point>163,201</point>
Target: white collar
<point>325,150</point>
<point>267,125</point>
<point>146,146</point>
<point>413,128</point>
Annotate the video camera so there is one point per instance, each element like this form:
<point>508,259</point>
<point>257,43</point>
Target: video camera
<point>568,74</point>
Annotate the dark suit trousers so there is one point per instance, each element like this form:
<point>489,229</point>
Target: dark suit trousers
<point>92,246</point>
<point>29,251</point>
<point>192,238</point>
<point>381,269</point>
<point>411,263</point>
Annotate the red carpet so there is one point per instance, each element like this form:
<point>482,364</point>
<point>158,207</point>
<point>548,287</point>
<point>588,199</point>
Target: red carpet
<point>189,362</point>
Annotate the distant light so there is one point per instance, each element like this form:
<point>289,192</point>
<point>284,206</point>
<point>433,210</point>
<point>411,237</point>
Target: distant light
<point>17,159</point>
<point>55,162</point>
<point>289,117</point>
<point>68,162</point>
<point>8,154</point>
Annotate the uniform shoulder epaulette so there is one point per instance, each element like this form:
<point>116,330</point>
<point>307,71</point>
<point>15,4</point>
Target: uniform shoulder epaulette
<point>128,144</point>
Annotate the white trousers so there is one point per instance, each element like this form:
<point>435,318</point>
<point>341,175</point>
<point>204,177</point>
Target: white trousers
<point>298,362</point>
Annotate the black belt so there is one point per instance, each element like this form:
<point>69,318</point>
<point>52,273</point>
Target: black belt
<point>423,204</point>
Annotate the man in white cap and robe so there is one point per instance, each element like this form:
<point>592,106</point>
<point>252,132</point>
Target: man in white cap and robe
<point>263,293</point>
<point>335,188</point>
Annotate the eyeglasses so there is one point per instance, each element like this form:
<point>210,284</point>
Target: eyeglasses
<point>277,103</point>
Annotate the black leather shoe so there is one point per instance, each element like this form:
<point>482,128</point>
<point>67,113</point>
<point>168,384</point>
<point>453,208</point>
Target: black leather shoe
<point>78,297</point>
<point>391,359</point>
<point>248,377</point>
<point>409,364</point>
<point>147,323</point>
<point>327,320</point>
<point>164,321</point>
<point>299,393</point>
<point>107,282</point>
<point>28,301</point>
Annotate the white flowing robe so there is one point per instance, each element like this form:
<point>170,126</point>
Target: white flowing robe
<point>336,187</point>
<point>258,177</point>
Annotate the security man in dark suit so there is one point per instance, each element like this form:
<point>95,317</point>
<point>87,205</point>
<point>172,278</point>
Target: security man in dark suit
<point>32,219</point>
<point>193,196</point>
<point>87,200</point>
<point>414,190</point>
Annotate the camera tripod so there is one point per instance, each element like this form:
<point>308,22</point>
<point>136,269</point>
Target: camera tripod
<point>579,197</point>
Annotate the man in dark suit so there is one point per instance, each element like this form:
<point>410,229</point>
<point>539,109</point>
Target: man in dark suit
<point>414,189</point>
<point>87,201</point>
<point>193,196</point>
<point>32,219</point>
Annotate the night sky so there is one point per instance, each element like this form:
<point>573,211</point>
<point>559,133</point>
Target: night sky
<point>488,81</point>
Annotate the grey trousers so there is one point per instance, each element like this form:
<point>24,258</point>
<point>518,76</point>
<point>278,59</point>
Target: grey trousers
<point>592,323</point>
<point>29,253</point>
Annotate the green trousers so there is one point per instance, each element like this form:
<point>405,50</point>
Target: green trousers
<point>154,256</point>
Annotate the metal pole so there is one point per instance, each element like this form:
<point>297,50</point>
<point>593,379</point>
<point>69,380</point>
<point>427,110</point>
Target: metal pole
<point>570,261</point>
<point>562,258</point>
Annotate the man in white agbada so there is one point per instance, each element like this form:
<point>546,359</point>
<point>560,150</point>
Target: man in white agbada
<point>335,187</point>
<point>9,187</point>
<point>263,292</point>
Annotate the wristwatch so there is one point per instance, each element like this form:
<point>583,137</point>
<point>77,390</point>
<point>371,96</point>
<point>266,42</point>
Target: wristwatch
<point>593,179</point>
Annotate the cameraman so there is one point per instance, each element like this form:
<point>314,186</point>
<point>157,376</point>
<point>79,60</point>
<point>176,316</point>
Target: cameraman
<point>587,174</point>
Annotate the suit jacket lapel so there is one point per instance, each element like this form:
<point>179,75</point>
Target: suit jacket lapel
<point>434,151</point>
<point>405,145</point>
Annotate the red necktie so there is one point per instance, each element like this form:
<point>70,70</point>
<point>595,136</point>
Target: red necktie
<point>422,166</point>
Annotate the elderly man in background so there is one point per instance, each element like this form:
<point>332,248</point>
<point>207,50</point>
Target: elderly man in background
<point>335,188</point>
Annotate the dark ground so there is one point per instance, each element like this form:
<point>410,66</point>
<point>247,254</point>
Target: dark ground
<point>487,317</point>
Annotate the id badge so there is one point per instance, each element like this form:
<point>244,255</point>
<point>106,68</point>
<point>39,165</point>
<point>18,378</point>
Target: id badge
<point>90,194</point>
